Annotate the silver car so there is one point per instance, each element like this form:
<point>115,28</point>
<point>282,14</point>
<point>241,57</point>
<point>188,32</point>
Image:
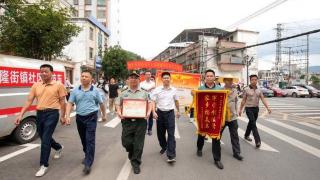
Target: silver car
<point>297,91</point>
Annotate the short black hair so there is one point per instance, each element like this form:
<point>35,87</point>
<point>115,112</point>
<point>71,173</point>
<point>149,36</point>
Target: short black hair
<point>153,77</point>
<point>210,70</point>
<point>47,66</point>
<point>148,70</point>
<point>87,71</point>
<point>165,74</point>
<point>253,75</point>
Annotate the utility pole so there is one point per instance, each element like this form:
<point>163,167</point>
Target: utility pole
<point>278,63</point>
<point>307,75</point>
<point>247,62</point>
<point>289,65</point>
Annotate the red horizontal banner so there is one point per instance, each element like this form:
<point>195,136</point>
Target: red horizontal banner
<point>210,111</point>
<point>8,111</point>
<point>22,77</point>
<point>159,65</point>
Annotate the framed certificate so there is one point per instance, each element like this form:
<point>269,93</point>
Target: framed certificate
<point>134,108</point>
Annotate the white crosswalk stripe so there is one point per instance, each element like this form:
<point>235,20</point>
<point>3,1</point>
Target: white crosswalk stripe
<point>309,125</point>
<point>298,130</point>
<point>296,143</point>
<point>294,109</point>
<point>113,123</point>
<point>264,146</point>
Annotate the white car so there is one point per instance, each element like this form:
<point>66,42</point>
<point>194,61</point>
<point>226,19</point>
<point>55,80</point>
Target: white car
<point>296,91</point>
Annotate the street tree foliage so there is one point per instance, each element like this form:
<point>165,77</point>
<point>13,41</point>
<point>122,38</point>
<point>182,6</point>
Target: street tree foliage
<point>114,63</point>
<point>315,80</point>
<point>39,30</point>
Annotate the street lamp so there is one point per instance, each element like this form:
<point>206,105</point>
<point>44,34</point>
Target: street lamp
<point>248,62</point>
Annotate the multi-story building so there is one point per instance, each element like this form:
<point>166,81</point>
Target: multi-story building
<point>98,9</point>
<point>87,48</point>
<point>206,47</point>
<point>115,23</point>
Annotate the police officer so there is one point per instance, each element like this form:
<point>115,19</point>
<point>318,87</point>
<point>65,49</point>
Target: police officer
<point>232,115</point>
<point>216,148</point>
<point>133,129</point>
<point>87,99</point>
<point>250,100</point>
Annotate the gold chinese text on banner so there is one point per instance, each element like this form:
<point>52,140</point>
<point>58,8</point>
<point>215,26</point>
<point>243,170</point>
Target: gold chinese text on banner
<point>210,111</point>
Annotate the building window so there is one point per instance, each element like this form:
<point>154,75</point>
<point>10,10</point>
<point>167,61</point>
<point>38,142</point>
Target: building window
<point>91,53</point>
<point>76,2</point>
<point>101,14</point>
<point>87,2</point>
<point>101,2</point>
<point>91,34</point>
<point>75,13</point>
<point>87,13</point>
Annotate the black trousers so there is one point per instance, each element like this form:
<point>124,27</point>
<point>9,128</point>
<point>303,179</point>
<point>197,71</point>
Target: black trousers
<point>166,123</point>
<point>233,130</point>
<point>46,124</point>
<point>133,136</point>
<point>87,126</point>
<point>252,114</point>
<point>216,147</point>
<point>150,122</point>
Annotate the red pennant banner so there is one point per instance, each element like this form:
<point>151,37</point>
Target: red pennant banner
<point>210,111</point>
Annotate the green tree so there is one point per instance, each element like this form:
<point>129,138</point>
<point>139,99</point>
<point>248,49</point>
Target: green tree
<point>133,56</point>
<point>39,30</point>
<point>114,63</point>
<point>315,80</point>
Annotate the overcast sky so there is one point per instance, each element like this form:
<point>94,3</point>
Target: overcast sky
<point>147,26</point>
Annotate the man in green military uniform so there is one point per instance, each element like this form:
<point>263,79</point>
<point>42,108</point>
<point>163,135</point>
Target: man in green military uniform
<point>133,129</point>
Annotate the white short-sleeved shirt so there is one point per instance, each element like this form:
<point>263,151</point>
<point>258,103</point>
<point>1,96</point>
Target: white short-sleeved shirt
<point>164,98</point>
<point>147,85</point>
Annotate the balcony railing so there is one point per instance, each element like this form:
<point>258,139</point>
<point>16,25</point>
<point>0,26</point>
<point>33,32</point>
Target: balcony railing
<point>230,63</point>
<point>222,44</point>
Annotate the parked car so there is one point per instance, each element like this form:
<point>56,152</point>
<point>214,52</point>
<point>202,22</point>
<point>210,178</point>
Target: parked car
<point>297,91</point>
<point>14,93</point>
<point>313,92</point>
<point>278,92</point>
<point>266,92</point>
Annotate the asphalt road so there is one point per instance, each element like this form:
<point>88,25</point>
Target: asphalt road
<point>290,150</point>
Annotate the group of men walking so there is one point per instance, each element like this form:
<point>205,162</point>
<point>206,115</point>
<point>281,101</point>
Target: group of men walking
<point>162,105</point>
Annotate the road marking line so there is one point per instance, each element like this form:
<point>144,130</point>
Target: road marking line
<point>303,146</point>
<point>125,171</point>
<point>73,114</point>
<point>309,125</point>
<point>301,131</point>
<point>28,147</point>
<point>209,140</point>
<point>13,94</point>
<point>306,113</point>
<point>176,132</point>
<point>317,117</point>
<point>301,110</point>
<point>289,107</point>
<point>264,146</point>
<point>113,123</point>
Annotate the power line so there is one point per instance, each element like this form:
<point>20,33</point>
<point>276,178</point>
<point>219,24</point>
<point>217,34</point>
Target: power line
<point>257,13</point>
<point>260,44</point>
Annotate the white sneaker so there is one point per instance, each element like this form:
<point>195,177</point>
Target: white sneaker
<point>42,171</point>
<point>58,153</point>
<point>191,120</point>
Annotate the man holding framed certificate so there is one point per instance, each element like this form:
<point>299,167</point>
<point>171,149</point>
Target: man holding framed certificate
<point>133,108</point>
